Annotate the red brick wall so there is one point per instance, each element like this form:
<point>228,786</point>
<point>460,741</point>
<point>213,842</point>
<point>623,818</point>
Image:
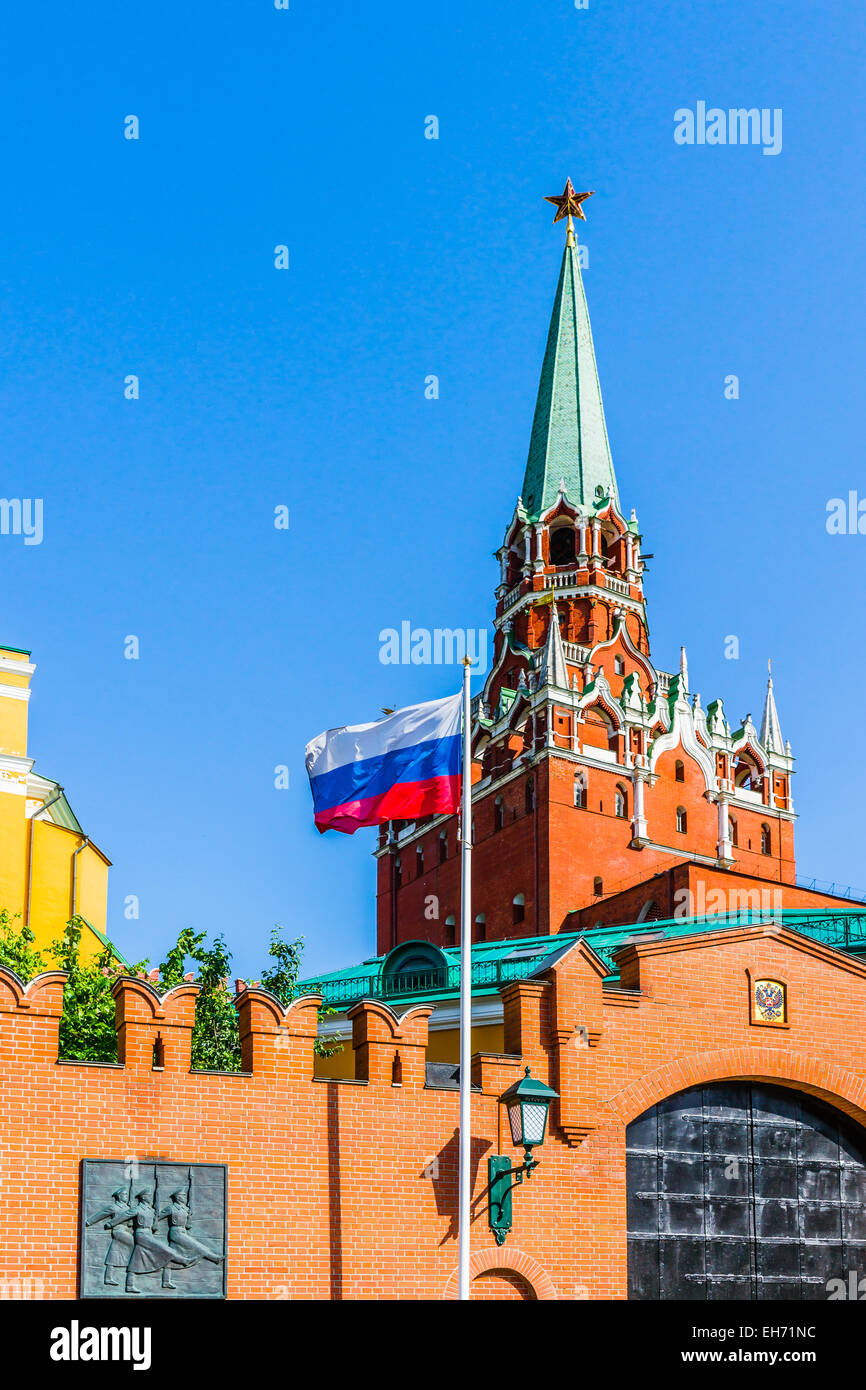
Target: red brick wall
<point>348,1189</point>
<point>666,889</point>
<point>503,864</point>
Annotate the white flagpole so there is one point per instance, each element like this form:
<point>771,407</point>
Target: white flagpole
<point>465,1151</point>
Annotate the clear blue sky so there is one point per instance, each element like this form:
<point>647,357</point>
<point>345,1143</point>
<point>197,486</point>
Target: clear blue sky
<point>306,387</point>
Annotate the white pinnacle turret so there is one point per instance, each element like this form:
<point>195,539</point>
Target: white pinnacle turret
<point>771,729</point>
<point>553,669</point>
<point>684,669</point>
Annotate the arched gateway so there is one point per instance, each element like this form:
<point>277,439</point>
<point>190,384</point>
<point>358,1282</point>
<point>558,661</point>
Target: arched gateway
<point>742,1190</point>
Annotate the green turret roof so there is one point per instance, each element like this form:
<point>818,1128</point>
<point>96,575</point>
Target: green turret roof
<point>569,436</point>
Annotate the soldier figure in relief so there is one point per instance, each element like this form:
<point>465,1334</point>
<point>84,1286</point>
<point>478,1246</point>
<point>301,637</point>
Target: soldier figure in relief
<point>116,1216</point>
<point>180,1239</point>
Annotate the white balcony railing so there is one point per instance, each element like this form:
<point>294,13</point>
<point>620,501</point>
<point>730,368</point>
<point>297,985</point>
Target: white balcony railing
<point>617,586</point>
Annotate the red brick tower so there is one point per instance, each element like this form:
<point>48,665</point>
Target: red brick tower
<point>596,774</point>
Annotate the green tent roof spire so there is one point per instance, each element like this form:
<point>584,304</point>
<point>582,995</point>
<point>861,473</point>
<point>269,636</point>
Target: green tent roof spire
<point>569,436</point>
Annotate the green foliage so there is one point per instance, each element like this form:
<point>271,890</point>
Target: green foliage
<point>16,948</point>
<point>215,1040</point>
<point>171,970</point>
<point>87,1031</point>
<point>282,980</point>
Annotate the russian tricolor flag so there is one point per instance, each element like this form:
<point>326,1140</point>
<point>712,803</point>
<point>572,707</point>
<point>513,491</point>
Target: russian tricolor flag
<point>404,766</point>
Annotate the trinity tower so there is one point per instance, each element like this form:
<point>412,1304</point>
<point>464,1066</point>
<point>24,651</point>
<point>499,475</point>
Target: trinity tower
<point>604,790</point>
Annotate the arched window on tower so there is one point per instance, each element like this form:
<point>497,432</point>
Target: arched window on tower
<point>398,873</point>
<point>498,814</point>
<point>443,846</point>
<point>618,666</point>
<point>598,728</point>
<point>480,932</point>
<point>580,790</point>
<point>450,929</point>
<point>747,776</point>
<point>598,887</point>
<point>679,771</point>
<point>620,802</point>
<point>518,906</point>
<point>766,840</point>
<point>530,795</point>
<point>732,830</point>
<point>562,551</point>
<point>419,861</point>
<point>682,820</point>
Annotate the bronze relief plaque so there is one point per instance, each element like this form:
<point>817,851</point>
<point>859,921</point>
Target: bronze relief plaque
<point>152,1229</point>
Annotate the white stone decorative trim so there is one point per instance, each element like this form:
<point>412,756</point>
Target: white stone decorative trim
<point>637,606</point>
<point>15,762</point>
<point>689,857</point>
<point>37,785</point>
<point>600,693</point>
<point>642,660</point>
<point>499,663</point>
<point>683,731</point>
<point>15,692</point>
<point>17,668</point>
<point>12,783</point>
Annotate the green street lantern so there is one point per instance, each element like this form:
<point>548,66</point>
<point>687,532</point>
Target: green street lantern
<point>527,1103</point>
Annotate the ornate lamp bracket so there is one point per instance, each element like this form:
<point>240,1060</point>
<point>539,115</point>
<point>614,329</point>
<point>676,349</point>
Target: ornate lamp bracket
<point>499,1172</point>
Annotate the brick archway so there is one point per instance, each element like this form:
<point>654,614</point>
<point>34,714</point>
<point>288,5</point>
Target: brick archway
<point>500,1285</point>
<point>834,1084</point>
<point>510,1262</point>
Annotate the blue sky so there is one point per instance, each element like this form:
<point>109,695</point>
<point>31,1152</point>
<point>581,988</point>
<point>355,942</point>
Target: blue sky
<point>305,388</point>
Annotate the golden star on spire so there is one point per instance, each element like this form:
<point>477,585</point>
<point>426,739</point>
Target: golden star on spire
<point>568,204</point>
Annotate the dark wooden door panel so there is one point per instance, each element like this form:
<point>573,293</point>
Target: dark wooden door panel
<point>744,1191</point>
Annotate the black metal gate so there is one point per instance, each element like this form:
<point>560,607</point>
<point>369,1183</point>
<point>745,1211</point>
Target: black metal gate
<point>745,1191</point>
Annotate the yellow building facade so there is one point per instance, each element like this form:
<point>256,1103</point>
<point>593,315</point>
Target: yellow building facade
<point>49,868</point>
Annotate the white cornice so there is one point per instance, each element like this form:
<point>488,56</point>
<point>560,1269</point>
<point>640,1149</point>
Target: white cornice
<point>37,784</point>
<point>16,668</point>
<point>759,808</point>
<point>13,762</point>
<point>686,857</point>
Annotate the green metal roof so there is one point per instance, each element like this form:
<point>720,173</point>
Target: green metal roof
<point>106,941</point>
<point>569,435</point>
<point>61,811</point>
<point>493,964</point>
<point>496,963</point>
